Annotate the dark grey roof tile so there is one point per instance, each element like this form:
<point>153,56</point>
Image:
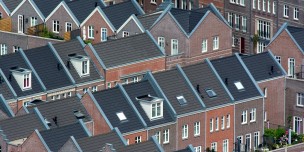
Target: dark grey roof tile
<point>148,20</point>
<point>12,4</point>
<point>298,34</point>
<point>149,146</point>
<point>46,6</point>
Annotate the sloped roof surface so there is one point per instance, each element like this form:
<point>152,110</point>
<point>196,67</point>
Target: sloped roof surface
<point>298,34</point>
<point>5,90</point>
<point>46,6</point>
<point>148,146</point>
<point>12,4</point>
<point>148,20</point>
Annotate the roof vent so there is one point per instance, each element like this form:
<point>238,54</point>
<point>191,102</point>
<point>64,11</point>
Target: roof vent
<point>55,120</point>
<point>181,100</point>
<point>78,114</point>
<point>47,122</point>
<point>210,93</point>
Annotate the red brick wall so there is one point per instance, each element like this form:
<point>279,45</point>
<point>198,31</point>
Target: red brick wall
<point>284,46</point>
<point>100,86</point>
<point>132,136</point>
<point>98,22</point>
<point>68,146</point>
<point>4,15</point>
<point>219,4</point>
<point>190,120</point>
<point>220,134</point>
<point>90,126</point>
<point>100,125</point>
<point>33,143</point>
<point>94,59</point>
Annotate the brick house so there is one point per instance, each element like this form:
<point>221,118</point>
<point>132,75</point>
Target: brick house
<point>248,101</point>
<point>118,62</point>
<point>4,11</point>
<point>286,45</point>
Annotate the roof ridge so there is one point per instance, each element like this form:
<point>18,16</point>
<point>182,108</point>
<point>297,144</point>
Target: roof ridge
<point>122,38</point>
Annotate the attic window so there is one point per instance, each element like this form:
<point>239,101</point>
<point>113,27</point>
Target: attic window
<point>181,100</point>
<point>153,106</point>
<point>239,85</point>
<point>121,116</point>
<point>210,93</point>
<point>78,114</point>
<point>81,64</point>
<point>23,77</point>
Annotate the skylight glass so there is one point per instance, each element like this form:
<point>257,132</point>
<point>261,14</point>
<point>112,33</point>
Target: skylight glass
<point>210,93</point>
<point>121,116</point>
<point>181,100</point>
<point>239,85</point>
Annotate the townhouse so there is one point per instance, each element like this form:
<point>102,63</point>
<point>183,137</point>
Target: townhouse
<point>286,45</point>
<point>118,62</point>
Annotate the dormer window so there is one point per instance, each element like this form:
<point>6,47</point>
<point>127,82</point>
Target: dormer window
<point>239,85</point>
<point>23,77</point>
<point>81,63</point>
<point>153,106</point>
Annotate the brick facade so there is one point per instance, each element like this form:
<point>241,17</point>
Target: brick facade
<point>172,144</point>
<point>3,12</point>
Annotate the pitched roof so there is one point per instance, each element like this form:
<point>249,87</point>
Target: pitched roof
<point>16,60</point>
<point>127,50</point>
<point>266,68</point>
<point>112,101</point>
<point>4,88</point>
<point>63,110</point>
<point>149,146</point>
<point>201,74</point>
<point>75,47</point>
<point>12,4</point>
<point>81,13</point>
<point>231,70</point>
<point>212,9</point>
<point>46,6</point>
<point>46,65</point>
<point>144,88</point>
<point>119,13</point>
<point>298,34</point>
<point>173,84</point>
<point>96,143</point>
<point>5,108</point>
<point>147,20</point>
<point>20,127</point>
<point>55,138</point>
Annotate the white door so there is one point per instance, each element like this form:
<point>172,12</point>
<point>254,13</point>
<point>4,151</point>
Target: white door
<point>20,24</point>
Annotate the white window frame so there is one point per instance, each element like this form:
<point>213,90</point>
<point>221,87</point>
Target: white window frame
<point>217,123</point>
<point>296,13</point>
<point>166,136</point>
<point>137,139</point>
<point>216,43</point>
<point>244,23</point>
<point>20,24</point>
<point>91,32</point>
<point>156,110</point>
<point>291,67</point>
<point>223,122</point>
<point>109,85</point>
<point>246,137</point>
<point>237,21</point>
<point>70,94</point>
<point>242,2</point>
<point>214,146</point>
<point>174,46</point>
<point>198,148</point>
<point>34,21</point>
<point>228,121</point>
<point>161,42</point>
<point>285,11</point>
<point>68,26</point>
<point>185,131</point>
<point>158,136</point>
<point>27,81</point>
<point>259,6</point>
<point>197,129</point>
<point>265,92</point>
<point>274,6</point>
<point>94,88</point>
<point>211,125</point>
<point>300,99</point>
<point>226,145</point>
<point>299,122</point>
<point>261,47</point>
<point>230,19</point>
<point>264,29</point>
<point>56,26</point>
<point>104,34</point>
<point>278,58</point>
<point>264,5</point>
<point>3,49</point>
<point>244,117</point>
<point>85,65</point>
<point>253,4</point>
<point>256,140</point>
<point>204,45</point>
<point>125,33</point>
<point>16,48</point>
<point>268,6</point>
<point>253,115</point>
<point>265,116</point>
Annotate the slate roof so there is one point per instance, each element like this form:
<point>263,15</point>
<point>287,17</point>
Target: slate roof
<point>119,13</point>
<point>46,6</point>
<point>147,20</point>
<point>11,4</point>
<point>74,46</point>
<point>126,50</point>
<point>188,19</point>
<point>13,60</point>
<point>212,9</point>
<point>173,84</point>
<point>5,90</point>
<point>96,143</point>
<point>63,110</point>
<point>187,149</point>
<point>82,8</point>
<point>57,137</point>
<point>201,74</point>
<point>112,101</point>
<point>144,88</point>
<point>231,68</point>
<point>148,146</point>
<point>6,109</point>
<point>262,70</point>
<point>46,65</point>
<point>298,35</point>
<point>21,126</point>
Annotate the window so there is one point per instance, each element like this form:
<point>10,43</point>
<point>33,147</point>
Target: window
<point>94,88</point>
<point>138,139</point>
<point>135,79</point>
<point>211,125</point>
<point>264,29</point>
<point>104,34</point>
<point>125,34</point>
<point>198,149</point>
<point>265,116</point>
<point>69,94</point>
<point>291,67</point>
<point>300,99</point>
<point>252,116</point>
<point>274,7</point>
<point>232,1</point>
<point>128,141</point>
<point>223,122</point>
<point>125,81</point>
<point>264,3</point>
<point>215,43</point>
<point>185,132</point>
<point>58,96</point>
<point>153,1</point>
<point>265,92</point>
<point>109,85</point>
<point>161,42</point>
<point>297,121</point>
<point>27,81</point>
<point>248,141</point>
<point>166,136</point>
<point>55,26</point>
<point>121,116</point>
<point>53,98</point>
<point>16,48</point>
<point>286,11</point>
<point>216,123</point>
<point>91,32</point>
<point>268,6</point>
<point>230,19</point>
<point>242,2</point>
<point>85,90</point>
<point>214,146</point>
<point>20,24</point>
<point>233,40</point>
<point>261,47</point>
<point>85,67</point>
<point>204,45</point>
<point>296,14</point>
<point>244,23</point>
<point>197,128</point>
<point>64,95</point>
<point>239,85</point>
<point>244,117</point>
<point>34,21</point>
<point>3,49</point>
<point>68,27</point>
<point>256,140</point>
<point>174,46</point>
<point>228,121</point>
<point>278,58</point>
<point>237,21</point>
<point>157,136</point>
<point>253,4</point>
<point>210,93</point>
<point>259,4</point>
<point>156,110</point>
<point>225,145</point>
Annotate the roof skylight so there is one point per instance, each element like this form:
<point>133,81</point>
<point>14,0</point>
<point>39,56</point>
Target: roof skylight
<point>121,116</point>
<point>210,93</point>
<point>239,85</point>
<point>181,100</point>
